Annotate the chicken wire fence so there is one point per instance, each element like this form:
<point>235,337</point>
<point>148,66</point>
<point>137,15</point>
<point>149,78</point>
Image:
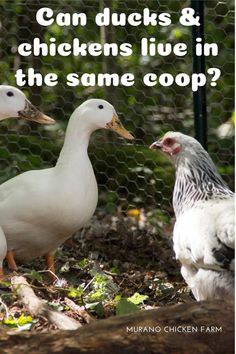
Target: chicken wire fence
<point>129,174</point>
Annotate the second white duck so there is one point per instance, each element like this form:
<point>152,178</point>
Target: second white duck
<point>40,209</point>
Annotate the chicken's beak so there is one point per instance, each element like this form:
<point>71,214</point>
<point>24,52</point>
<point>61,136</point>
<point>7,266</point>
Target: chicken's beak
<point>156,145</point>
<point>30,112</point>
<point>116,125</point>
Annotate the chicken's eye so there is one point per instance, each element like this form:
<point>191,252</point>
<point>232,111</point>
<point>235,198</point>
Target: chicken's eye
<point>10,94</point>
<point>169,141</point>
<point>100,106</point>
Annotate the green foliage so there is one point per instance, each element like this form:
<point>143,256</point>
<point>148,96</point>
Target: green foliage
<point>137,298</point>
<point>125,307</point>
<point>158,218</point>
<point>128,305</point>
<point>109,200</point>
<point>226,170</point>
<point>97,307</point>
<point>232,118</point>
<point>100,289</point>
<point>83,263</point>
<point>34,275</point>
<point>115,269</point>
<point>18,322</point>
<point>5,283</point>
<point>99,293</point>
<point>75,293</point>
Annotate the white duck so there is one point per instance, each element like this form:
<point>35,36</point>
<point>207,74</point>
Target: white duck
<point>13,103</point>
<point>39,210</point>
<point>3,251</point>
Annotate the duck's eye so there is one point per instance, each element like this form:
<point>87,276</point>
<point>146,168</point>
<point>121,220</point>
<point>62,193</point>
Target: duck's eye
<point>10,94</point>
<point>100,106</point>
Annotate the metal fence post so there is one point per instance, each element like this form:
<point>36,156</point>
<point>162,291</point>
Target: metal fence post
<point>199,97</point>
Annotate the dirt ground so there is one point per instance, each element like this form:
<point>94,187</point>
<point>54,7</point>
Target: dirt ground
<point>116,260</point>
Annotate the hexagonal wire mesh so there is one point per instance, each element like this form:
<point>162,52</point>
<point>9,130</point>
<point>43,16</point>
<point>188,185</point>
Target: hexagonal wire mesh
<point>128,175</point>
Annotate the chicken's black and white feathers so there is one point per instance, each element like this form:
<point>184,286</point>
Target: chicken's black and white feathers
<point>204,229</point>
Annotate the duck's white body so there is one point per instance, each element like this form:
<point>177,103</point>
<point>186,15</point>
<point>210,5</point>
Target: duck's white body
<point>63,203</point>
<point>39,210</point>
<point>3,247</point>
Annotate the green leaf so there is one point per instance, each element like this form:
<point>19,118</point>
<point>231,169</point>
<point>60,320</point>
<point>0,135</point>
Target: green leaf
<point>17,322</point>
<point>115,269</point>
<point>137,298</point>
<point>96,295</point>
<point>177,33</point>
<point>75,292</point>
<point>33,275</point>
<point>22,320</point>
<point>100,282</point>
<point>232,118</point>
<point>125,307</point>
<point>117,298</point>
<point>10,321</point>
<point>83,263</point>
<point>5,283</point>
<point>97,307</point>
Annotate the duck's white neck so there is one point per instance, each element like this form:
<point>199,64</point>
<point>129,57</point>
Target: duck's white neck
<point>75,144</point>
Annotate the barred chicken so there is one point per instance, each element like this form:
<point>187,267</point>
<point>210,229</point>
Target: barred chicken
<point>203,234</point>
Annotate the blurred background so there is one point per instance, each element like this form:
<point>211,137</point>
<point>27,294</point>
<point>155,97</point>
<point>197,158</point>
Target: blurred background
<point>129,175</point>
